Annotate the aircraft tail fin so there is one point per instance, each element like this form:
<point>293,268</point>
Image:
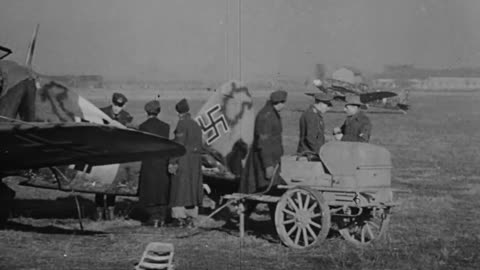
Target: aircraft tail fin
<point>227,120</point>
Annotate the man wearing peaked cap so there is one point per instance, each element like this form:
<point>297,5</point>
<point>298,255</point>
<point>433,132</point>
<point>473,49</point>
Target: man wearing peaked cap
<point>186,192</point>
<point>116,112</point>
<point>324,98</point>
<point>312,126</point>
<point>119,99</point>
<point>357,126</point>
<point>354,100</point>
<point>154,182</point>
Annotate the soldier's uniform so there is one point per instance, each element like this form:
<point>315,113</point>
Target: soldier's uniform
<point>312,127</point>
<point>124,118</point>
<point>267,147</point>
<point>357,127</point>
<point>6,202</point>
<point>186,192</point>
<point>154,182</point>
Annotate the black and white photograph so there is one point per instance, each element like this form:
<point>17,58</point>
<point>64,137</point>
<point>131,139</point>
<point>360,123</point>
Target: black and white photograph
<point>239,134</point>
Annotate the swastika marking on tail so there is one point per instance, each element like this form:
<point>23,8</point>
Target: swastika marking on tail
<point>210,127</point>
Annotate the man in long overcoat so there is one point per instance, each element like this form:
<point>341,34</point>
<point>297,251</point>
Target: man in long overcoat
<point>267,148</point>
<point>312,126</point>
<point>187,182</point>
<point>357,126</point>
<point>154,182</point>
<point>117,112</point>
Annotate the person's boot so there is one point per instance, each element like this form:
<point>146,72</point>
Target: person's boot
<point>189,223</point>
<point>178,222</point>
<point>100,214</point>
<point>111,213</point>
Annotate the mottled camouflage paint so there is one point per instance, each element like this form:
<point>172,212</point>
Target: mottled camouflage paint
<point>236,105</point>
<point>56,103</point>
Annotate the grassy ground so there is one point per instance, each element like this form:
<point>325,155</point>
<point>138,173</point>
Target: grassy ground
<point>435,150</point>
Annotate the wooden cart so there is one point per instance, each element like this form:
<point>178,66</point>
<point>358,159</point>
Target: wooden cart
<point>349,191</point>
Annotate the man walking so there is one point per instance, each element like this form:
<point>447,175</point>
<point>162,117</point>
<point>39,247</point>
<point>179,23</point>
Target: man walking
<point>154,182</point>
<point>267,148</point>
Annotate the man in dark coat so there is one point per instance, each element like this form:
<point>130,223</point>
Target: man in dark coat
<point>154,182</point>
<point>187,182</point>
<point>6,202</point>
<point>116,112</point>
<point>312,127</point>
<point>357,127</point>
<point>267,148</point>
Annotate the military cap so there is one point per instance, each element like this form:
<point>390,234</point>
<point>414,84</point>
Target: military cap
<point>278,96</point>
<point>182,106</point>
<point>323,97</point>
<point>354,100</point>
<point>152,107</point>
<point>119,99</point>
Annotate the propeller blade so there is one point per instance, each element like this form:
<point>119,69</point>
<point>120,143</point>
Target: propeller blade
<point>31,48</point>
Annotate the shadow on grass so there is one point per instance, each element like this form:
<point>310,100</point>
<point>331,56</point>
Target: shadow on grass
<point>50,229</point>
<point>261,229</point>
<point>63,208</point>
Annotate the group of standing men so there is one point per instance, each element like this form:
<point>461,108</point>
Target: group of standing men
<point>164,183</point>
<point>177,183</point>
<point>267,147</point>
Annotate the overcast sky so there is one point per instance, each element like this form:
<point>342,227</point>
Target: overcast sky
<point>186,39</point>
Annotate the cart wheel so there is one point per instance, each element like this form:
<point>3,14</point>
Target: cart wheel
<point>302,218</point>
<point>367,229</point>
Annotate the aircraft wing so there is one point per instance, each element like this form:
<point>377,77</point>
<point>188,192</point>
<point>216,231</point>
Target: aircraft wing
<point>341,86</point>
<point>372,96</point>
<point>36,145</point>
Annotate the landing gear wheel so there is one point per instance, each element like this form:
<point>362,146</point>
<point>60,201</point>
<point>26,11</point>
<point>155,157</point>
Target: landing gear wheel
<point>366,229</point>
<point>302,218</point>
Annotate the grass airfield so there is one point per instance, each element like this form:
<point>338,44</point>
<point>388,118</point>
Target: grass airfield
<point>435,150</point>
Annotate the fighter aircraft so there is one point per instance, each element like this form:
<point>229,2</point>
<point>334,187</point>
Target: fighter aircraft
<point>29,142</point>
<point>345,82</point>
<point>226,119</point>
<point>28,145</point>
<point>37,130</point>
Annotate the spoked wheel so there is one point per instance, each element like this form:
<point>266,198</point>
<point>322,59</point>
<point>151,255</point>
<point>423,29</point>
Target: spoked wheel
<point>302,218</point>
<point>369,227</point>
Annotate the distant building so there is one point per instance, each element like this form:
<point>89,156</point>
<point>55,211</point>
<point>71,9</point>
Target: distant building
<point>452,83</point>
<point>81,81</point>
<point>425,79</point>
